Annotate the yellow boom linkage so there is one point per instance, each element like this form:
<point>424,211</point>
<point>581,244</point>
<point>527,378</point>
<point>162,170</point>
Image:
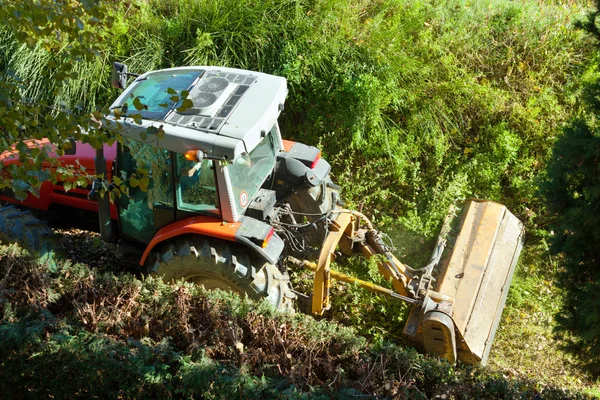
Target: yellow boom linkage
<point>455,313</point>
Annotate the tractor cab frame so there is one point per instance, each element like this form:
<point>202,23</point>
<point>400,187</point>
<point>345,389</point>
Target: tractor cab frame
<point>208,160</point>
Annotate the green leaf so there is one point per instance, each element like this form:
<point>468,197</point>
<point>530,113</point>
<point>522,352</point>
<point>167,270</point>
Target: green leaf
<point>185,105</point>
<point>139,105</point>
<point>20,185</point>
<point>41,175</point>
<point>68,186</point>
<point>34,190</point>
<point>20,195</point>
<point>171,91</point>
<point>152,130</point>
<point>144,182</point>
<point>23,148</point>
<point>81,181</point>
<point>81,167</point>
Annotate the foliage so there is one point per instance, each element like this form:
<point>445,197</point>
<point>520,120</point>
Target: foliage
<point>572,193</point>
<point>54,36</point>
<point>117,336</point>
<point>416,104</point>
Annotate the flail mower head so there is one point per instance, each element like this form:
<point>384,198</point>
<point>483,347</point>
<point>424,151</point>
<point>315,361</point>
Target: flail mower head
<point>459,317</point>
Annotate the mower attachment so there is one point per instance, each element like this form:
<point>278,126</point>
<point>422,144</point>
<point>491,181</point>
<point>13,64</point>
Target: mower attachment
<point>457,303</point>
<point>475,279</point>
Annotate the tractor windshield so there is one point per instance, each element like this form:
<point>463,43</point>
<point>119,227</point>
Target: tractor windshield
<point>152,92</point>
<point>248,172</point>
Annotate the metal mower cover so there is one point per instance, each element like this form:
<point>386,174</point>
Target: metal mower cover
<point>476,276</point>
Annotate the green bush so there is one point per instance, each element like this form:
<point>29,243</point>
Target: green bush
<point>417,104</point>
<point>572,195</point>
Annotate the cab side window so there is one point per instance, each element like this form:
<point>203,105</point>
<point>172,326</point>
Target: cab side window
<point>196,187</point>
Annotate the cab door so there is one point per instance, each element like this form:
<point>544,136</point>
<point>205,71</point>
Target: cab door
<point>148,201</point>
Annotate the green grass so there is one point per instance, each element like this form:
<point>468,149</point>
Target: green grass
<point>527,344</point>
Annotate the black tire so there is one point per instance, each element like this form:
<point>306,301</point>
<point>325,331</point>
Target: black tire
<point>217,264</point>
<point>31,233</point>
<point>314,202</point>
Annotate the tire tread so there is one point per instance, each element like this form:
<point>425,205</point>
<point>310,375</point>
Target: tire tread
<point>186,257</point>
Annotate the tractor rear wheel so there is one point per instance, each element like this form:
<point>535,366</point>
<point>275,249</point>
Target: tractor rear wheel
<point>218,264</point>
<point>31,233</point>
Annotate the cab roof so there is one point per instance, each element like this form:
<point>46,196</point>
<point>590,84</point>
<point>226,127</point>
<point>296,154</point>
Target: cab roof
<point>231,111</point>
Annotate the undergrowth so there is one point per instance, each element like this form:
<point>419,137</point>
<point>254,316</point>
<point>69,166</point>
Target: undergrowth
<point>118,336</point>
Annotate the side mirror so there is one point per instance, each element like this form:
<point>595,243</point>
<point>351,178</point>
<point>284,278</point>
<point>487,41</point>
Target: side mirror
<point>119,75</point>
<point>70,147</point>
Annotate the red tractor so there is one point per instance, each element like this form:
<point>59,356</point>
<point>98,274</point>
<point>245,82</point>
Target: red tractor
<point>207,190</point>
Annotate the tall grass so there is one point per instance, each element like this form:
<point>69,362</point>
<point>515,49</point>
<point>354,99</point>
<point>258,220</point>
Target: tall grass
<point>433,101</point>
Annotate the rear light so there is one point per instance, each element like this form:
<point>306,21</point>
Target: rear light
<point>268,238</point>
<point>315,161</point>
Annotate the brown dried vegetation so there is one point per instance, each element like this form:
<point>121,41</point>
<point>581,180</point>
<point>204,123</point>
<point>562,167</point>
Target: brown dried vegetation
<point>235,333</point>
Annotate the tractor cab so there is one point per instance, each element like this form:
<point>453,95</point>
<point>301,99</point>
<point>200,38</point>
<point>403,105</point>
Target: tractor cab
<point>210,156</point>
<point>164,186</point>
<point>201,142</point>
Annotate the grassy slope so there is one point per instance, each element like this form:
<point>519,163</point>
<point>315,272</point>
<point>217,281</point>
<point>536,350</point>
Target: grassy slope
<point>527,343</point>
<point>416,104</point>
<point>115,336</point>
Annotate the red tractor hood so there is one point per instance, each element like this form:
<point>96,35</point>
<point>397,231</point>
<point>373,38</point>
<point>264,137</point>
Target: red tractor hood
<point>85,154</point>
